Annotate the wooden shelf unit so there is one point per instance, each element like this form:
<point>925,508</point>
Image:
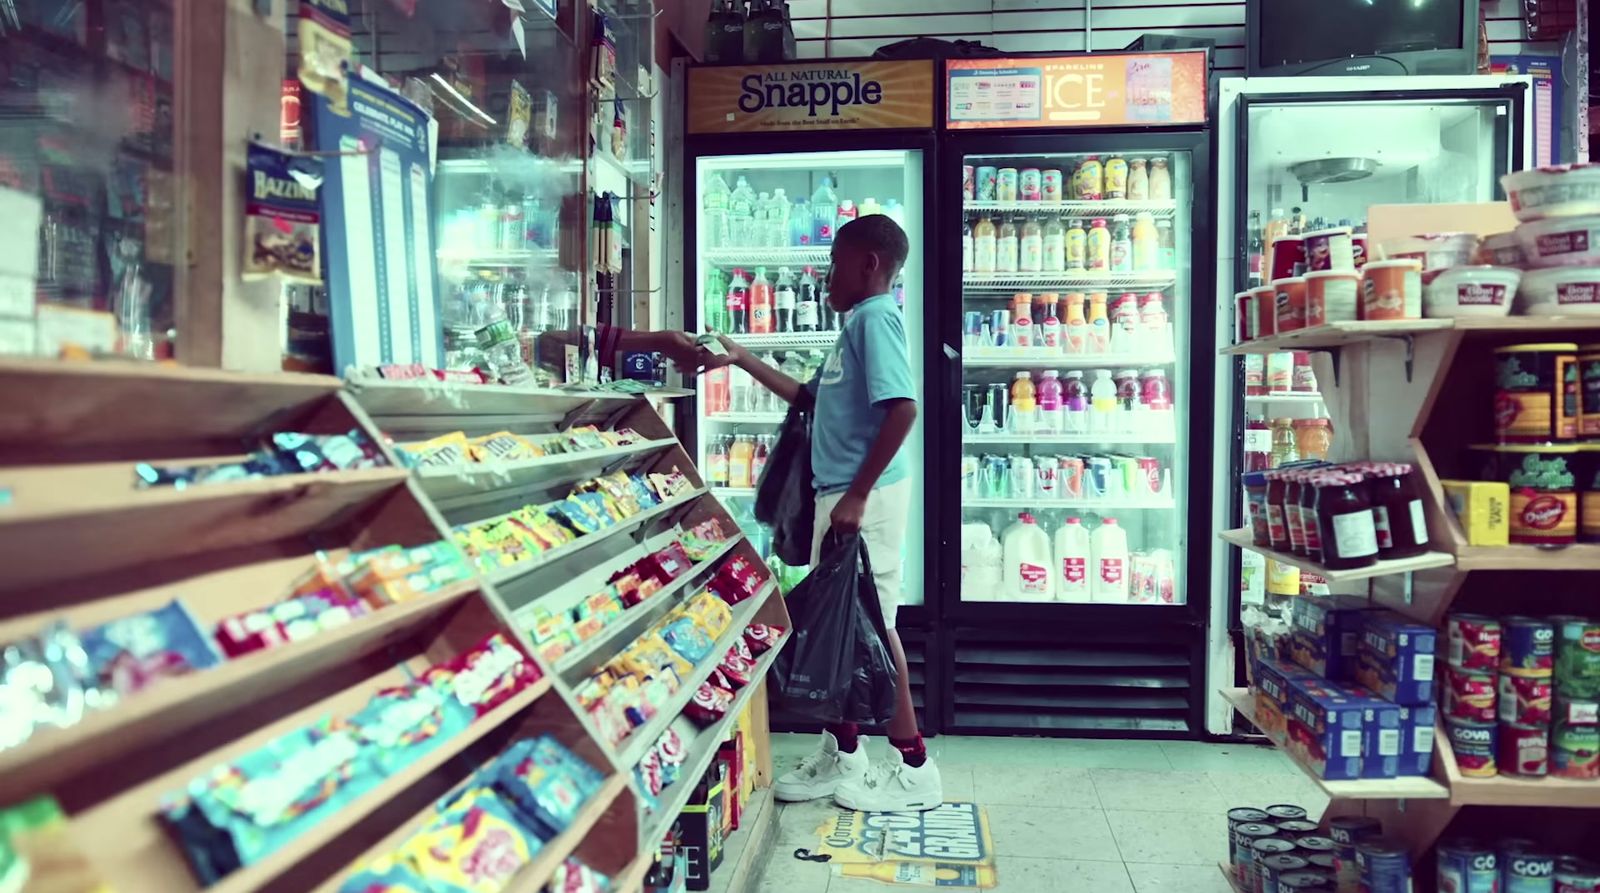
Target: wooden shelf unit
<point>1243,539</point>
<point>1513,790</point>
<point>1338,334</point>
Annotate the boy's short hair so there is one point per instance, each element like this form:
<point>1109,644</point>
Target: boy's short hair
<point>877,233</point>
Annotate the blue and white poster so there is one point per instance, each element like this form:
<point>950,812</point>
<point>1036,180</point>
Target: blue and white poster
<point>375,221</point>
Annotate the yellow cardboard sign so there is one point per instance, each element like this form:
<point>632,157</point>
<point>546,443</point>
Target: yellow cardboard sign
<point>821,95</point>
<point>950,835</point>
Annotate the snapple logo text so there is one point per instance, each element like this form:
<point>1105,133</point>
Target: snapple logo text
<point>813,89</point>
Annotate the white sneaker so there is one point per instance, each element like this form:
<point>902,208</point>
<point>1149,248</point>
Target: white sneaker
<point>822,772</point>
<point>893,786</point>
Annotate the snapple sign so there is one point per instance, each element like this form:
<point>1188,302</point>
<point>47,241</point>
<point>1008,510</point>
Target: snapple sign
<point>813,90</point>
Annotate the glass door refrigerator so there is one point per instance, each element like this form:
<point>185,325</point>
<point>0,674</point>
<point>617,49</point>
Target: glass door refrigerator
<point>771,174</point>
<point>1075,192</point>
<point>1302,154</point>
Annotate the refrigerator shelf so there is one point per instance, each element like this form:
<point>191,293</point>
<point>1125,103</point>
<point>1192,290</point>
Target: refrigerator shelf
<point>1068,280</point>
<point>1016,358</point>
<point>777,257</point>
<point>1084,505</point>
<point>1313,397</point>
<point>747,418</point>
<point>1091,439</point>
<point>507,258</point>
<point>1076,208</point>
<point>788,340</point>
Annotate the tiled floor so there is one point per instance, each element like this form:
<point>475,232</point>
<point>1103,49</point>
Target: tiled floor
<point>1076,816</point>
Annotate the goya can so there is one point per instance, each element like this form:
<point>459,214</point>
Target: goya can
<point>1575,875</point>
<point>1385,866</point>
<point>1575,740</point>
<point>1328,863</point>
<point>1474,642</point>
<point>1523,750</point>
<point>1296,827</point>
<point>1469,695</point>
<point>1577,656</point>
<point>1286,812</point>
<point>1474,746</point>
<point>1245,834</point>
<point>1307,881</point>
<point>1531,402</point>
<point>1346,831</point>
<point>1529,647</point>
<point>1525,699</point>
<point>1314,843</point>
<point>1275,866</point>
<point>1524,868</point>
<point>1468,866</point>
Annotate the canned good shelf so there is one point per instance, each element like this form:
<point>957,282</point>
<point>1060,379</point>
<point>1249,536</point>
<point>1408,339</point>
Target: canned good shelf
<point>1039,504</point>
<point>1018,357</point>
<point>733,256</point>
<point>1077,208</point>
<point>1090,439</point>
<point>1338,334</point>
<point>1510,790</point>
<point>1576,557</point>
<point>747,418</point>
<point>788,340</point>
<point>1068,281</point>
<point>1243,539</point>
<point>1409,788</point>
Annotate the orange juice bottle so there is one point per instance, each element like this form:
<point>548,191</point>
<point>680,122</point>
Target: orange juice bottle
<point>1074,324</point>
<point>1099,324</point>
<point>1021,302</point>
<point>739,461</point>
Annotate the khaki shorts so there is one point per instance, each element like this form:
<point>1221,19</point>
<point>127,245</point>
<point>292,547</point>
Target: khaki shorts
<point>883,527</point>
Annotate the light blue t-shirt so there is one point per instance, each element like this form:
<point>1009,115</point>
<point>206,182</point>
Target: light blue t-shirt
<point>868,365</point>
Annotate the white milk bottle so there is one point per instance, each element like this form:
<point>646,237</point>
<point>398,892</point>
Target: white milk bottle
<point>1027,561</point>
<point>1110,543</point>
<point>1073,556</point>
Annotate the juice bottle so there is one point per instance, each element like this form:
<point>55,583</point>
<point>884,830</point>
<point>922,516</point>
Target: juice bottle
<point>738,304</point>
<point>1102,402</point>
<point>1099,340</point>
<point>1031,247</point>
<point>1117,178</point>
<point>1097,247</point>
<point>717,463</point>
<point>1021,305</point>
<point>717,391</point>
<point>1074,403</point>
<point>1075,246</point>
<point>1121,245</point>
<point>1138,181</point>
<point>761,304</point>
<point>739,462</point>
<point>1146,247</point>
<point>1075,333</point>
<point>1090,179</point>
<point>1006,248</point>
<point>1160,181</point>
<point>847,212</point>
<point>758,459</point>
<point>1024,408</point>
<point>1049,395</point>
<point>984,249</point>
<point>966,247</point>
<point>1055,246</point>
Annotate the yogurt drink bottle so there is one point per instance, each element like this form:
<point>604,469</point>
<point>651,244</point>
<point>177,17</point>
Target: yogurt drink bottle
<point>1110,546</point>
<point>1073,556</point>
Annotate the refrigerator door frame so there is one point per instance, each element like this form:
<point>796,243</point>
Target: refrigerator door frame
<point>701,146</point>
<point>1235,96</point>
<point>946,327</point>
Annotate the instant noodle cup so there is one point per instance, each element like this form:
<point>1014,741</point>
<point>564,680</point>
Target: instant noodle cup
<point>1561,291</point>
<point>1501,249</point>
<point>1391,289</point>
<point>1471,291</point>
<point>1290,298</point>
<point>1332,296</point>
<point>1265,299</point>
<point>1557,190</point>
<point>1435,251</point>
<point>1561,241</point>
<point>1329,249</point>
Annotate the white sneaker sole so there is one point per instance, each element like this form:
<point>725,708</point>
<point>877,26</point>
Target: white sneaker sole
<point>848,800</point>
<point>800,792</point>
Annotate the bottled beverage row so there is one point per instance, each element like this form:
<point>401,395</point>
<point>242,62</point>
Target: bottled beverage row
<point>501,223</point>
<point>745,304</point>
<point>1076,323</point>
<point>1117,178</point>
<point>1111,478</point>
<point>1080,566</point>
<point>731,389</point>
<point>1137,244</point>
<point>736,460</point>
<point>491,321</point>
<point>741,217</point>
<point>1125,402</point>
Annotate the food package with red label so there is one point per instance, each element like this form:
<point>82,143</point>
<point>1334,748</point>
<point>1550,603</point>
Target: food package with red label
<point>710,704</point>
<point>485,676</point>
<point>761,637</point>
<point>738,579</point>
<point>665,565</point>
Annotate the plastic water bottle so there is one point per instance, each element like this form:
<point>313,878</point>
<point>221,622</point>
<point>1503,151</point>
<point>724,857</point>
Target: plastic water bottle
<point>895,211</point>
<point>714,217</point>
<point>800,224</point>
<point>824,211</point>
<point>778,220</point>
<point>761,234</point>
<point>741,212</point>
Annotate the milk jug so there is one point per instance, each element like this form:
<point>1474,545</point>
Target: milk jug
<point>1110,543</point>
<point>1073,557</point>
<point>981,563</point>
<point>1027,560</point>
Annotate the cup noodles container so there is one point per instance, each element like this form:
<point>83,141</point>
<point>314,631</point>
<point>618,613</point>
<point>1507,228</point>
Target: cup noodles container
<point>1288,257</point>
<point>1391,289</point>
<point>1244,317</point>
<point>1502,250</point>
<point>1470,291</point>
<point>1265,299</point>
<point>1561,242</point>
<point>1563,190</point>
<point>1335,294</point>
<point>1561,291</point>
<point>1435,251</point>
<point>1289,295</point>
<point>1329,249</point>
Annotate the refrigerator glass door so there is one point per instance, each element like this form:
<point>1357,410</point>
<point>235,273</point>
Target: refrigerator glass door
<point>763,229</point>
<point>1075,293</point>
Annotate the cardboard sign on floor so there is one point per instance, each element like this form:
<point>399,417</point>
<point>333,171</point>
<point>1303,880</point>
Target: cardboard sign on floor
<point>948,847</point>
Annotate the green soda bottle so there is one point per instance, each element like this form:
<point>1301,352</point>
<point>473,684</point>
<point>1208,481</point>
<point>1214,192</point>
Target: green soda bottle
<point>716,301</point>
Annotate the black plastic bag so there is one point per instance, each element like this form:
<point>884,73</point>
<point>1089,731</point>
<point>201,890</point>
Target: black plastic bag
<point>837,667</point>
<point>785,498</point>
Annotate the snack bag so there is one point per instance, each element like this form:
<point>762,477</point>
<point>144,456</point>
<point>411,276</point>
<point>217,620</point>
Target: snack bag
<point>401,724</point>
<point>477,846</point>
<point>584,437</point>
<point>650,655</point>
<point>501,446</point>
<point>684,635</point>
<point>282,220</point>
<point>643,493</point>
<point>130,654</point>
<point>761,637</point>
<point>737,670</point>
<point>389,874</point>
<point>546,782</point>
<point>485,676</point>
<point>573,876</point>
<point>710,612</point>
<point>709,705</point>
<point>439,452</point>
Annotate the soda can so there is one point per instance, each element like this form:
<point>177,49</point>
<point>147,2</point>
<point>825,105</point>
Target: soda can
<point>1149,477</point>
<point>1005,185</point>
<point>1050,186</point>
<point>1021,477</point>
<point>968,182</point>
<point>972,406</point>
<point>999,324</point>
<point>1126,479</point>
<point>1097,477</point>
<point>1524,750</point>
<point>972,328</point>
<point>971,471</point>
<point>995,481</point>
<point>1467,866</point>
<point>999,399</point>
<point>987,180</point>
<point>1049,472</point>
<point>1030,185</point>
<point>1071,477</point>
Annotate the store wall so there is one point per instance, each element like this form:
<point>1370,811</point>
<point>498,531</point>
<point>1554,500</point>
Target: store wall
<point>858,27</point>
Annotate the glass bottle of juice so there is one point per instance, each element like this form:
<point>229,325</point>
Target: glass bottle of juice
<point>984,249</point>
<point>1006,248</point>
<point>1146,247</point>
<point>1076,245</point>
<point>1097,247</point>
<point>1160,181</point>
<point>1099,324</point>
<point>1031,247</point>
<point>1138,180</point>
<point>1075,324</point>
<point>758,459</point>
<point>717,463</point>
<point>739,461</point>
<point>1055,246</point>
<point>966,247</point>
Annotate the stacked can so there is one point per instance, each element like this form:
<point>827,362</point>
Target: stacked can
<point>1246,825</point>
<point>1527,666</point>
<point>1468,866</point>
<point>1346,832</point>
<point>1575,875</point>
<point>1575,714</point>
<point>1385,866</point>
<point>1525,867</point>
<point>1470,691</point>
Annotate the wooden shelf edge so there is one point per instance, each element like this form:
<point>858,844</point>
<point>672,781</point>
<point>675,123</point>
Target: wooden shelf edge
<point>1242,538</point>
<point>124,370</point>
<point>1227,872</point>
<point>1406,788</point>
<point>1510,790</point>
<point>261,874</point>
<point>1577,557</point>
<point>534,875</point>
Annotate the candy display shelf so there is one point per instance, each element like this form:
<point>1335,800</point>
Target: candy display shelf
<point>629,525</point>
<point>447,483</point>
<point>1339,334</point>
<point>1076,208</point>
<point>1107,439</point>
<point>1418,788</point>
<point>1028,357</point>
<point>1426,560</point>
<point>1579,557</point>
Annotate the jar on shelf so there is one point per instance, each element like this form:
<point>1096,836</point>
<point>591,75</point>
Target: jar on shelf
<point>1302,380</point>
<point>1257,444</point>
<point>1397,510</point>
<point>1284,448</point>
<point>1345,521</point>
<point>1313,438</point>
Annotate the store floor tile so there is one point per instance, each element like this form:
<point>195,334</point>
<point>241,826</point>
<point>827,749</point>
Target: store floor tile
<point>1072,815</point>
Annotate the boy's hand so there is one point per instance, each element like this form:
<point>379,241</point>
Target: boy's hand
<point>736,352</point>
<point>687,353</point>
<point>847,514</point>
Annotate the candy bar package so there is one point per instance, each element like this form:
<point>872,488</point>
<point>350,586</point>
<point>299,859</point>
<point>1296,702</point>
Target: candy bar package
<point>547,783</point>
<point>439,452</point>
<point>48,682</point>
<point>485,676</point>
<point>710,704</point>
<point>761,637</point>
<point>738,670</point>
<point>643,493</point>
<point>673,751</point>
<point>584,437</point>
<point>650,655</point>
<point>282,222</point>
<point>710,612</point>
<point>685,636</point>
<point>476,846</point>
<point>130,654</point>
<point>326,452</point>
<point>670,485</point>
<point>401,724</point>
<point>502,446</point>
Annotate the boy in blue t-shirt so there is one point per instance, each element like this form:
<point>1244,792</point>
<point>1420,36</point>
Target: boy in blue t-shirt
<point>866,403</point>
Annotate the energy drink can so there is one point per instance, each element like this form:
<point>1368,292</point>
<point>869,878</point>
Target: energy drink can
<point>1307,881</point>
<point>1467,866</point>
<point>1296,827</point>
<point>972,329</point>
<point>1314,843</point>
<point>999,400</point>
<point>996,481</point>
<point>999,326</point>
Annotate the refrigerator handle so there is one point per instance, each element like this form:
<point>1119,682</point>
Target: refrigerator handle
<point>954,365</point>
